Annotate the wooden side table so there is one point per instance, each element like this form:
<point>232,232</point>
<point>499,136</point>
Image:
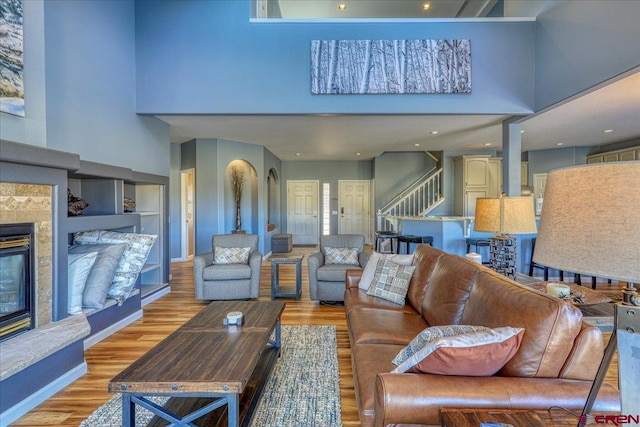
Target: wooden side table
<point>276,290</point>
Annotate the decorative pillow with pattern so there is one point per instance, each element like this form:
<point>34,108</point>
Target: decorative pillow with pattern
<point>482,352</point>
<point>391,281</point>
<point>341,256</point>
<point>370,269</point>
<point>131,262</point>
<point>222,255</point>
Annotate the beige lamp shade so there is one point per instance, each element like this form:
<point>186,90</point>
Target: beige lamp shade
<point>505,215</point>
<point>590,221</point>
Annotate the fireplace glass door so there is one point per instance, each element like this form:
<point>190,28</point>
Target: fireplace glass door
<point>16,285</point>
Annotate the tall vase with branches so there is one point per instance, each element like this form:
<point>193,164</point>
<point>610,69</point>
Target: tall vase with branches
<point>237,183</point>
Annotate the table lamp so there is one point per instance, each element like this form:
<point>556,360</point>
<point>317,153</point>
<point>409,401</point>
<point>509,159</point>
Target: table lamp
<point>507,216</point>
<point>590,224</point>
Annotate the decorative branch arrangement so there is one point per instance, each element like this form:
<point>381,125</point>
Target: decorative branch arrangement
<point>390,66</point>
<point>237,183</point>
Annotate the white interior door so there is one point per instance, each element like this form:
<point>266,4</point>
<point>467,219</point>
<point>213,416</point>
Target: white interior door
<point>188,214</point>
<point>354,208</point>
<point>302,212</point>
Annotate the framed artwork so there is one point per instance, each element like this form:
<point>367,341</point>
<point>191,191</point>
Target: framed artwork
<point>11,58</point>
<point>390,66</point>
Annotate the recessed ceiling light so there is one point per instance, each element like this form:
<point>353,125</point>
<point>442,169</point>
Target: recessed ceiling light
<point>434,132</point>
<point>357,154</point>
<point>298,154</point>
<point>607,131</point>
<point>342,7</point>
<point>416,145</point>
<point>426,6</point>
<point>522,131</point>
<point>487,144</point>
<point>559,144</point>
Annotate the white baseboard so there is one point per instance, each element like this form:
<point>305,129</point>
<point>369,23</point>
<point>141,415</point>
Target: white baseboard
<point>19,409</point>
<point>154,296</point>
<point>99,336</point>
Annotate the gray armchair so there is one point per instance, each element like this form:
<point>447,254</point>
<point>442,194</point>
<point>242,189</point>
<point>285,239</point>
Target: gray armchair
<point>228,281</point>
<point>327,281</point>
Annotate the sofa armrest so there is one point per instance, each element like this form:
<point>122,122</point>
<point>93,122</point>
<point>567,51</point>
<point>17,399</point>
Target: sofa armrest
<point>352,278</point>
<point>314,261</point>
<point>200,262</point>
<point>417,398</point>
<point>255,263</point>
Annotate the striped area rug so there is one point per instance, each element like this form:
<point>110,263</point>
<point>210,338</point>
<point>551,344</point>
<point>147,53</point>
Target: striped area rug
<point>303,389</point>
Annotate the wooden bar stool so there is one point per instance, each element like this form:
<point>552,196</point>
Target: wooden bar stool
<point>479,243</point>
<point>408,239</point>
<point>381,236</point>
<point>544,268</point>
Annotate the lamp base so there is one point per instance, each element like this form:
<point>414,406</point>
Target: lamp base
<point>503,255</point>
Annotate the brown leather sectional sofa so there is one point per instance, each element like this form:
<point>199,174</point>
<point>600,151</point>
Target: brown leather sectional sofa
<point>554,366</point>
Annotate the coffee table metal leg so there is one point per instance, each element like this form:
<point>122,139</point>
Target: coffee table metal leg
<point>274,268</point>
<point>128,411</point>
<point>233,409</point>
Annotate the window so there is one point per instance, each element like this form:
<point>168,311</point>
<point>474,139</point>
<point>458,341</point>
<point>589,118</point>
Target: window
<point>326,208</point>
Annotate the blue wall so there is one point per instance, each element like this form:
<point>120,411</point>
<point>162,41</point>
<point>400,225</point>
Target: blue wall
<point>91,83</point>
<point>580,44</point>
<point>219,62</point>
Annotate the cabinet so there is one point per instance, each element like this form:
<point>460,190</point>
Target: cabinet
<point>475,177</point>
<point>524,174</point>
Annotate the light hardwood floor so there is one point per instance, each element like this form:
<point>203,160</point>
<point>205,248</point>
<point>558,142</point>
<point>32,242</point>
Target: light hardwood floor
<point>107,358</point>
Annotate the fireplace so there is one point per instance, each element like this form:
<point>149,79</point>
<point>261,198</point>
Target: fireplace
<point>17,281</point>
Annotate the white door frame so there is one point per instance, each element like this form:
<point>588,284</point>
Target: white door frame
<point>184,229</point>
<point>316,215</point>
<point>365,215</point>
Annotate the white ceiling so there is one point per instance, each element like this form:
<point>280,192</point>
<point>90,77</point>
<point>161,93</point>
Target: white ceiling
<point>328,9</point>
<point>578,122</point>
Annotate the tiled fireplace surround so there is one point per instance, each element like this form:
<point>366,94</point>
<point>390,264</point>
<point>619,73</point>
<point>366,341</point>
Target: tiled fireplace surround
<point>31,179</point>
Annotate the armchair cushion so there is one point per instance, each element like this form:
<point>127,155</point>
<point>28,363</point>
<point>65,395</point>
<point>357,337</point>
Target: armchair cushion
<point>227,272</point>
<point>334,272</point>
<point>391,281</point>
<point>341,255</point>
<point>224,255</point>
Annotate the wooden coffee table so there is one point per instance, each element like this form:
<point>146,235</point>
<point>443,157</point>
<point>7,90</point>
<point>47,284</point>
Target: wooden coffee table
<point>208,363</point>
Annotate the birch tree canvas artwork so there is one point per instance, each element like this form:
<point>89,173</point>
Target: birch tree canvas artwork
<point>390,66</point>
<point>11,83</point>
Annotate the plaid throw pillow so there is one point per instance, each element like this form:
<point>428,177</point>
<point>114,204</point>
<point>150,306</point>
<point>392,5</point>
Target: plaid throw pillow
<point>391,281</point>
<point>341,256</point>
<point>231,255</point>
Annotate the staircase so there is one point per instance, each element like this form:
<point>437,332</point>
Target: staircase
<point>418,199</point>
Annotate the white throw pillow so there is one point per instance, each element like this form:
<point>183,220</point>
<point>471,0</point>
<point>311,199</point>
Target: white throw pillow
<point>79,268</point>
<point>370,269</point>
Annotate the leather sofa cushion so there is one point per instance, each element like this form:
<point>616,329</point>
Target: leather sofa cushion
<point>425,258</point>
<point>448,291</point>
<point>227,272</point>
<point>370,325</point>
<point>550,324</point>
<point>355,297</point>
<point>369,360</point>
<point>334,272</point>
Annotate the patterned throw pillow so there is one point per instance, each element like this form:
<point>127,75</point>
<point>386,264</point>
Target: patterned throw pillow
<point>224,255</point>
<point>131,263</point>
<point>449,351</point>
<point>370,269</point>
<point>391,281</point>
<point>341,256</point>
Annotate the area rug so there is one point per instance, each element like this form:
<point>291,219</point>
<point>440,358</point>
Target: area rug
<point>303,389</point>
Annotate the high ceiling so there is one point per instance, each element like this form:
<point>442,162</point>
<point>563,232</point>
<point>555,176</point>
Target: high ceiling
<point>328,9</point>
<point>578,122</point>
